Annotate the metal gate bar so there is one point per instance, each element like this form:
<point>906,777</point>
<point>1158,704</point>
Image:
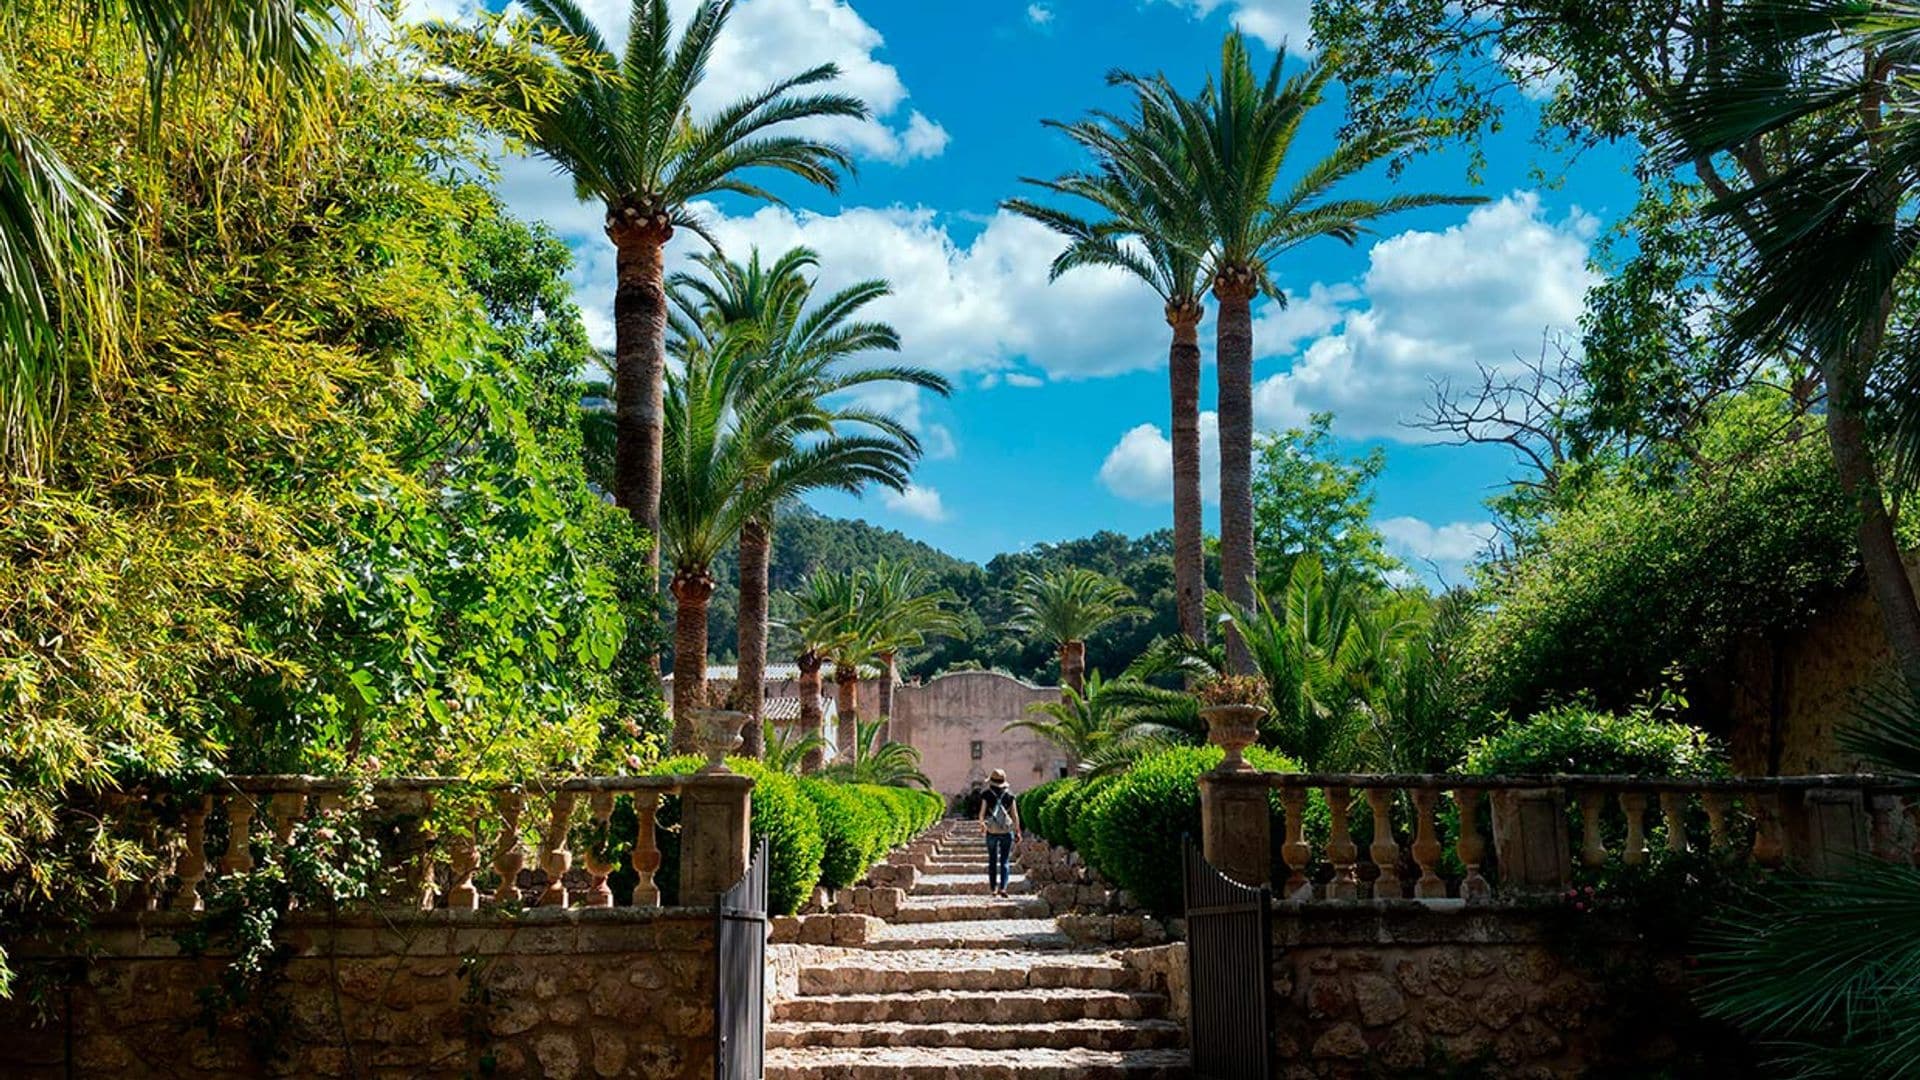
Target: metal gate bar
<point>1229,952</point>
<point>740,975</point>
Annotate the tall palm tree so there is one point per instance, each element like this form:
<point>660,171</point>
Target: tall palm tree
<point>805,346</point>
<point>1237,134</point>
<point>903,610</point>
<point>719,406</point>
<point>624,131</point>
<point>59,312</point>
<point>1066,606</point>
<point>1142,188</point>
<point>829,614</point>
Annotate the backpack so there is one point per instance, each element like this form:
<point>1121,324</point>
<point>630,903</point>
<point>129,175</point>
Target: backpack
<point>1000,819</point>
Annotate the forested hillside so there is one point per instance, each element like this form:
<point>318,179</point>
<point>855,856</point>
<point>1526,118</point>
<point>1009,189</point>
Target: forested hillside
<point>806,541</point>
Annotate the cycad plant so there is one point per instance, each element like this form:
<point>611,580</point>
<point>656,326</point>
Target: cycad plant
<point>1237,135</point>
<point>1066,606</point>
<point>623,130</point>
<point>785,749</point>
<point>1099,730</point>
<point>873,760</point>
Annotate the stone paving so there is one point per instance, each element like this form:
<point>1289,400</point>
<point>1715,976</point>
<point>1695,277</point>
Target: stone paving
<point>960,985</point>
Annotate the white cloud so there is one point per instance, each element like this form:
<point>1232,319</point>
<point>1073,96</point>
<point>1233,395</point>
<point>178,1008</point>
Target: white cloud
<point>1279,329</point>
<point>1436,305</point>
<point>1272,22</point>
<point>1444,549</point>
<point>1140,465</point>
<point>1039,14</point>
<point>917,501</point>
<point>1022,379</point>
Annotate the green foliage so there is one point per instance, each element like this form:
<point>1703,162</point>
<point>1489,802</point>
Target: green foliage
<point>879,762</point>
<point>783,816</point>
<point>1032,804</point>
<point>1632,579</point>
<point>1578,739</point>
<point>854,828</point>
<point>1309,500</point>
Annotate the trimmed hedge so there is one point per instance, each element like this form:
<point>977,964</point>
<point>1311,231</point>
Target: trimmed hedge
<point>1130,827</point>
<point>1592,742</point>
<point>817,831</point>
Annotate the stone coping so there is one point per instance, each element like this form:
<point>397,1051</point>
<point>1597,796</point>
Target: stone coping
<point>440,932</point>
<point>1440,922</point>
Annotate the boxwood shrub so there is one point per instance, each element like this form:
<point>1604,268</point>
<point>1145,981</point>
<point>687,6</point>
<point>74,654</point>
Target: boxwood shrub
<point>855,828</point>
<point>1033,807</point>
<point>782,814</point>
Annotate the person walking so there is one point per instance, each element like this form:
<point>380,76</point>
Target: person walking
<point>1000,817</point>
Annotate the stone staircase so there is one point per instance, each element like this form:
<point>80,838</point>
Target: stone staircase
<point>960,984</point>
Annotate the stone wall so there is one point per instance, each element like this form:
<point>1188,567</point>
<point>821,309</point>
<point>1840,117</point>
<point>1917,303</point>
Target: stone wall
<point>574,993</point>
<point>1361,991</point>
<point>945,717</point>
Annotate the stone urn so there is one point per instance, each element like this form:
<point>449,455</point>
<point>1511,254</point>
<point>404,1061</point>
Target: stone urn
<point>718,733</point>
<point>1233,728</point>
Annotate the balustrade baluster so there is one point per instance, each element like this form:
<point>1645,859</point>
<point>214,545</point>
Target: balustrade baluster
<point>463,858</point>
<point>1716,804</point>
<point>646,849</point>
<point>285,807</point>
<point>1385,850</point>
<point>422,890</point>
<point>1887,820</point>
<point>1426,845</point>
<point>1294,849</point>
<point>1673,810</point>
<point>1593,845</point>
<point>1634,805</point>
<point>1769,846</point>
<point>600,803</point>
<point>1471,847</point>
<point>239,855</point>
<point>1341,851</point>
<point>555,858</point>
<point>192,867</point>
<point>509,855</point>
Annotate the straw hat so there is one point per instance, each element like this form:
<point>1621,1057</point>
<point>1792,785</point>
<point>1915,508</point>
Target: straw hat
<point>997,778</point>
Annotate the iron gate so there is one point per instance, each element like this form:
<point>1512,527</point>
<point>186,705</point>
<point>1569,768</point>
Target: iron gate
<point>740,976</point>
<point>1229,950</point>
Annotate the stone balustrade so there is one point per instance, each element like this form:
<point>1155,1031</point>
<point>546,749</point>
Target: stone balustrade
<point>1514,835</point>
<point>441,843</point>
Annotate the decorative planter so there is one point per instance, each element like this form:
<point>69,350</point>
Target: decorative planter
<point>718,732</point>
<point>1233,728</point>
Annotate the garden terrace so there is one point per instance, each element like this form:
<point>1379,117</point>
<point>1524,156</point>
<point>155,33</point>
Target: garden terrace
<point>1540,827</point>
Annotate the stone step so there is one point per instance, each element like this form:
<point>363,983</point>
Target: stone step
<point>1105,1035</point>
<point>923,909</point>
<point>964,885</point>
<point>864,971</point>
<point>1023,934</point>
<point>948,1063</point>
<point>1031,1006</point>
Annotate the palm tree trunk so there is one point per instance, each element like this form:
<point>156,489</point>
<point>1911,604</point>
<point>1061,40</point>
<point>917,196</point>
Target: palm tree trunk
<point>1189,552</point>
<point>889,671</point>
<point>756,540</point>
<point>1234,359</point>
<point>1880,555</point>
<point>812,717</point>
<point>639,371</point>
<point>1073,668</point>
<point>692,589</point>
<point>846,682</point>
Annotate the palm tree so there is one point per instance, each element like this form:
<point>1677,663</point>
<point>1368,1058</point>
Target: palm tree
<point>1142,185</point>
<point>59,313</point>
<point>804,348</point>
<point>1098,729</point>
<point>903,610</point>
<point>1237,134</point>
<point>623,130</point>
<point>719,408</point>
<point>873,760</point>
<point>829,606</point>
<point>1066,606</point>
<point>785,749</point>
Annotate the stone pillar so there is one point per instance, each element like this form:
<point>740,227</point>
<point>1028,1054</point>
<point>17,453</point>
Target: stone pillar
<point>1235,831</point>
<point>1530,840</point>
<point>715,811</point>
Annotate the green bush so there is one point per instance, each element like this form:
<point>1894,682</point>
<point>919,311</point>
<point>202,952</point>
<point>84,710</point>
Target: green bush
<point>1086,812</point>
<point>855,828</point>
<point>1138,824</point>
<point>1582,740</point>
<point>1033,807</point>
<point>782,815</point>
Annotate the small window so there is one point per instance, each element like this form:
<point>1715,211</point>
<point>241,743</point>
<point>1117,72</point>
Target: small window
<point>979,749</point>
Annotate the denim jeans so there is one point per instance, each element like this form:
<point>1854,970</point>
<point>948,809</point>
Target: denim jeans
<point>999,850</point>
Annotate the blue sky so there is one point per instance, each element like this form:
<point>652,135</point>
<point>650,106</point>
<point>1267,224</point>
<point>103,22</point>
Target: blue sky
<point>1058,424</point>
